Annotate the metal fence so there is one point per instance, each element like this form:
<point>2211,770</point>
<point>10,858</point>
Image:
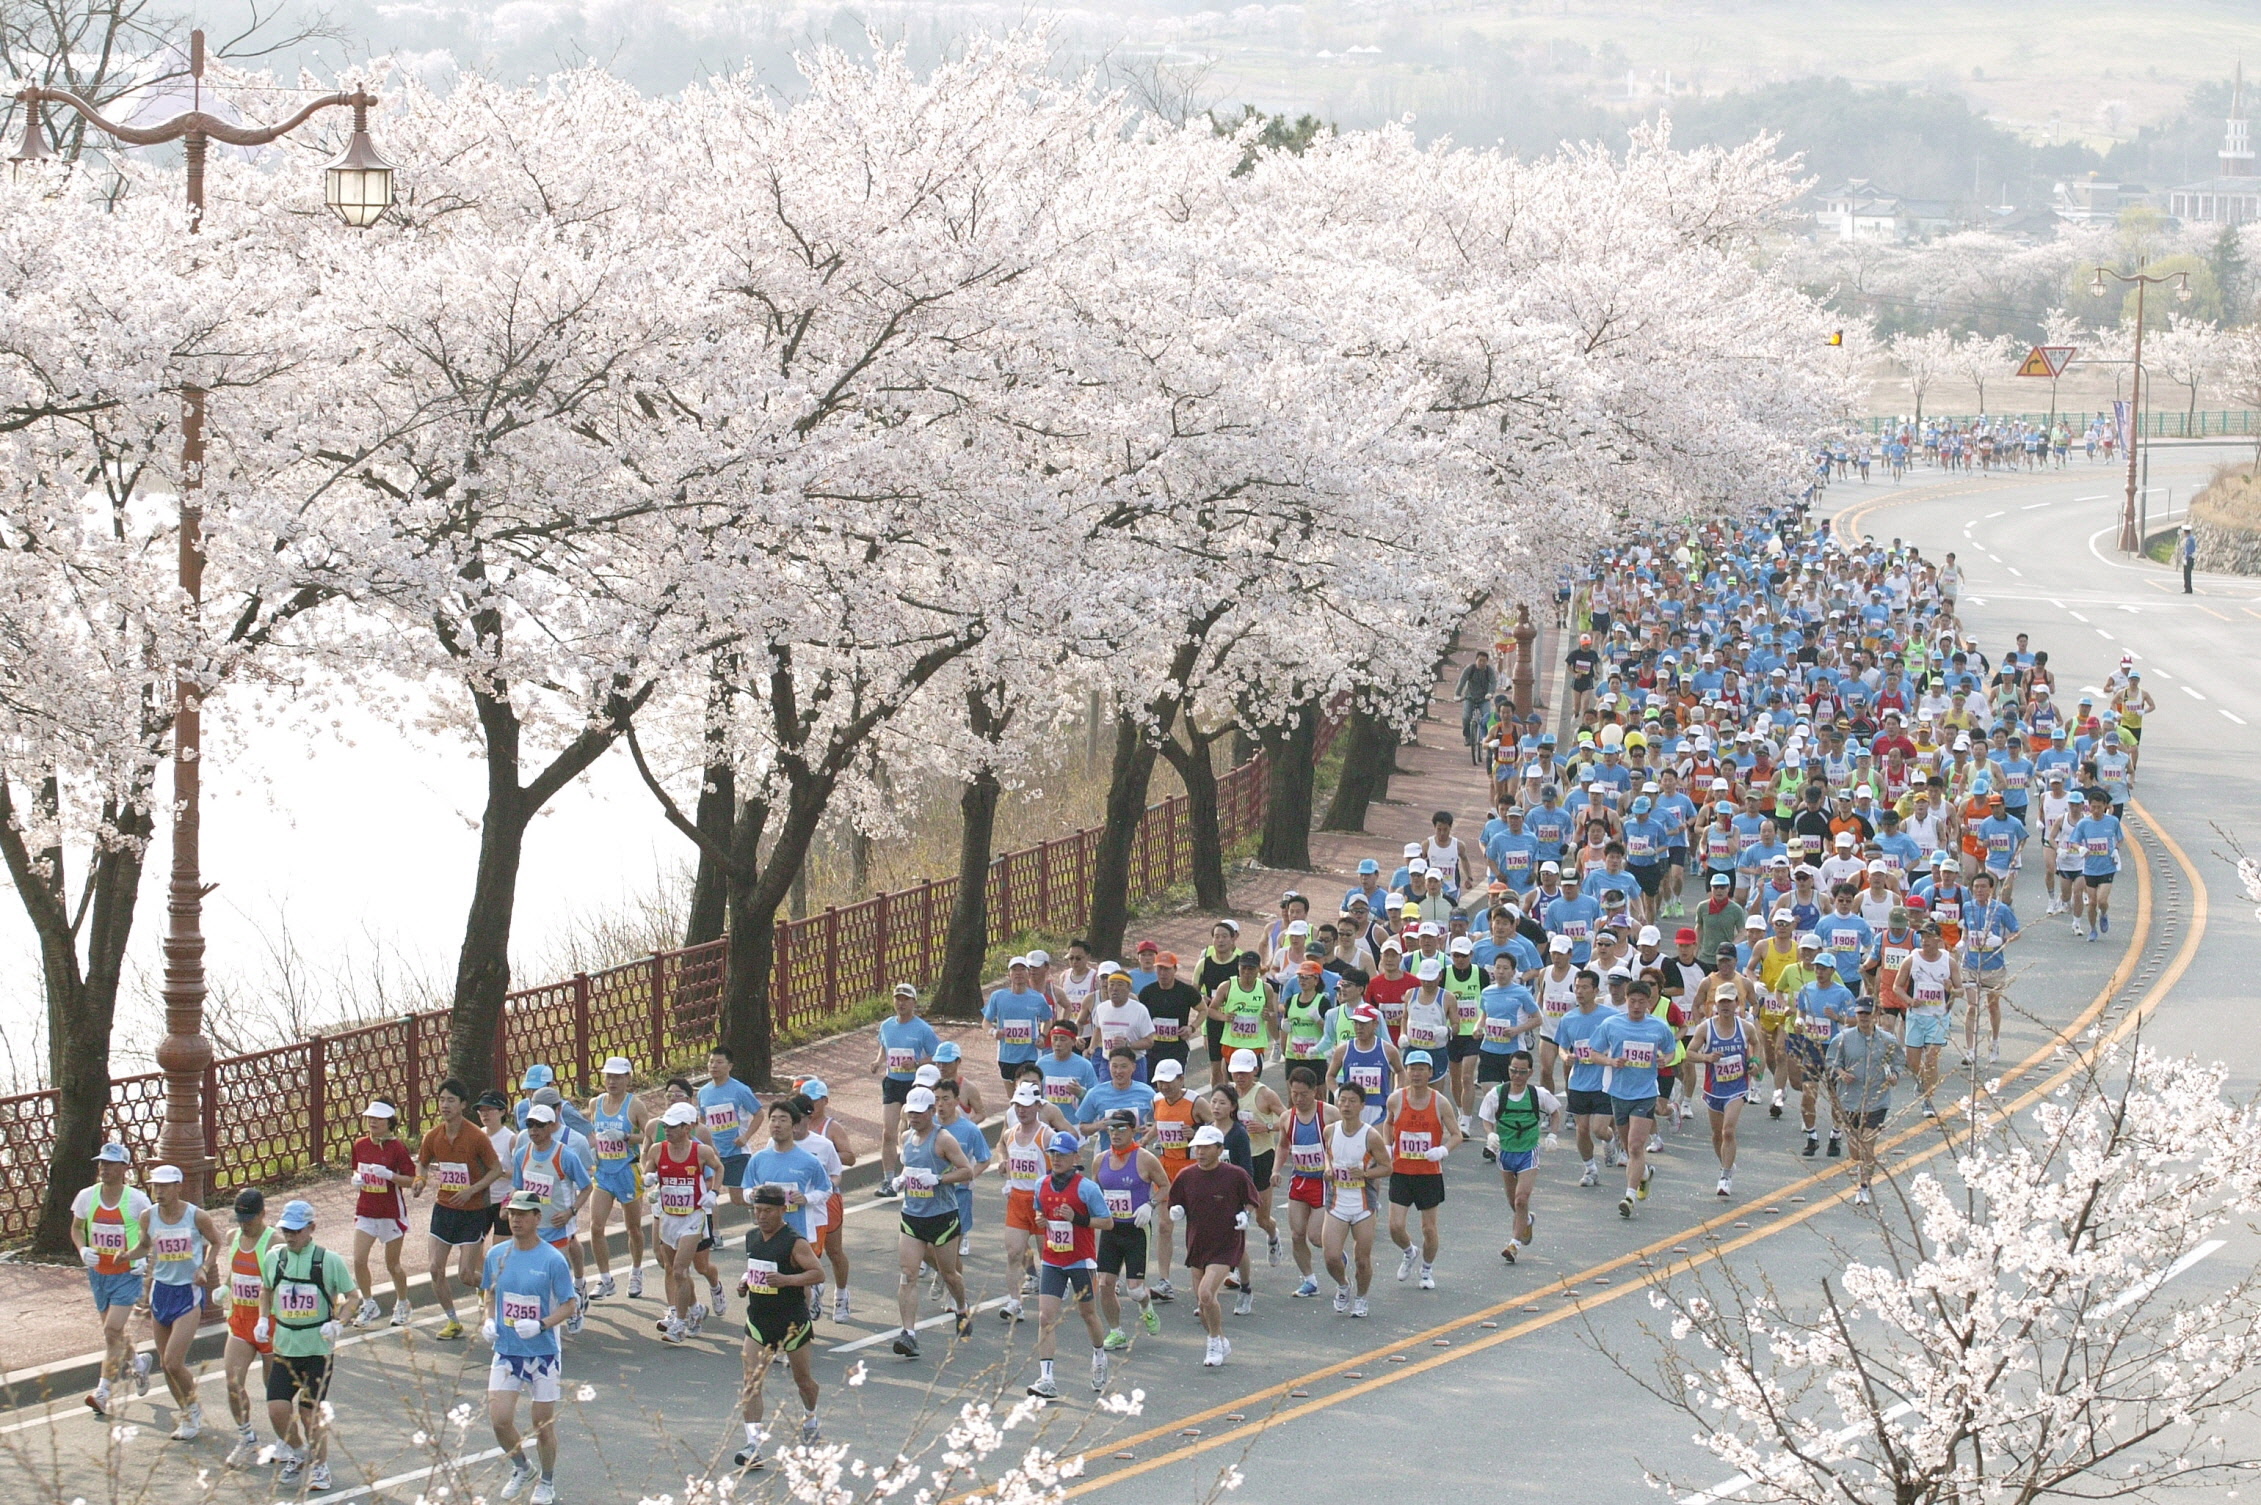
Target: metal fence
<point>282,1112</point>
<point>2158,423</point>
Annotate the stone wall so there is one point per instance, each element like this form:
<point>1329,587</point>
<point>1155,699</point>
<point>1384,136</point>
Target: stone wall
<point>2226,518</point>
<point>2228,550</point>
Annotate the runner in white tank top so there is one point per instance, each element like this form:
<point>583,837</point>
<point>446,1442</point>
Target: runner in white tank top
<point>1354,1149</point>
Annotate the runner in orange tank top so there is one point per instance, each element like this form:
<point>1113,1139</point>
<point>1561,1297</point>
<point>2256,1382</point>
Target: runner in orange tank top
<point>1176,1116</point>
<point>1420,1135</point>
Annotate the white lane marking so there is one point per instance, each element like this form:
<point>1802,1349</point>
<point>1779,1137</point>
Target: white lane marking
<point>2107,637</point>
<point>1978,600</point>
<point>2160,673</point>
<point>2193,694</point>
<point>2151,1283</point>
<point>413,1474</point>
<point>2053,601</point>
<point>2076,616</point>
<point>1992,515</point>
<point>891,1333</point>
<point>2098,498</point>
<point>1730,1487</point>
<point>2013,569</point>
<point>2028,507</point>
<point>2234,716</point>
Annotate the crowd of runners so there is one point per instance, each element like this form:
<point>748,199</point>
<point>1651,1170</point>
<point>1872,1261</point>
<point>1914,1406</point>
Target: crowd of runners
<point>1780,846</point>
<point>1980,444</point>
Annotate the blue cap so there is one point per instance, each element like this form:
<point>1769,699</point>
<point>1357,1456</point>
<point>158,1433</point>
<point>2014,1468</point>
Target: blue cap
<point>1641,805</point>
<point>114,1153</point>
<point>814,1089</point>
<point>1939,857</point>
<point>947,1051</point>
<point>1420,1058</point>
<point>296,1215</point>
<point>1368,865</point>
<point>1064,1143</point>
<point>537,1076</point>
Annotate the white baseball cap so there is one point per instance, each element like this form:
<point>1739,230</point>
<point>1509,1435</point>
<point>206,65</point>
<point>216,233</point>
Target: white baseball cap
<point>1430,970</point>
<point>1242,1060</point>
<point>1026,1093</point>
<point>1461,946</point>
<point>541,1113</point>
<point>1207,1134</point>
<point>1559,943</point>
<point>679,1113</point>
<point>379,1108</point>
<point>921,1100</point>
<point>1168,1071</point>
<point>619,1066</point>
<point>927,1075</point>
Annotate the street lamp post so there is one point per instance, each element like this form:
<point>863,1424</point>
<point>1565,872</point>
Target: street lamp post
<point>2131,540</point>
<point>357,185</point>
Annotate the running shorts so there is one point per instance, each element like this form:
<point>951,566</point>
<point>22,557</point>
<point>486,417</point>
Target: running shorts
<point>1056,1281</point>
<point>781,1334</point>
<point>1419,1190</point>
<point>931,1228</point>
<point>1122,1251</point>
<point>304,1378</point>
<point>1491,1065</point>
<point>457,1226</point>
<point>893,1091</point>
<point>1515,1162</point>
<point>1020,1210</point>
<point>1461,1047</point>
<point>621,1180</point>
<point>540,1376</point>
<point>170,1301</point>
<point>1584,1104</point>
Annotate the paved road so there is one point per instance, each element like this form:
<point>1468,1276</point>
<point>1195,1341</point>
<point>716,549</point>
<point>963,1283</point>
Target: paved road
<point>1499,1380</point>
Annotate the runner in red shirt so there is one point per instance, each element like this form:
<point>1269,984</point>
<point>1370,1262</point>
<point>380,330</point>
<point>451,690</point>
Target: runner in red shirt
<point>382,1166</point>
<point>1218,1199</point>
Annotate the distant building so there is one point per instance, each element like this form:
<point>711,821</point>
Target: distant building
<point>1859,210</point>
<point>2090,201</point>
<point>2233,195</point>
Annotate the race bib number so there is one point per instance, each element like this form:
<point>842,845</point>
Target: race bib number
<point>1307,1159</point>
<point>517,1308</point>
<point>2016,778</point>
<point>1367,1079</point>
<point>1745,840</point>
<point>1587,1055</point>
<point>244,1288</point>
<point>678,1199</point>
<point>1718,845</point>
<point>1554,1005</point>
<point>1639,845</point>
<point>2097,846</point>
<point>1729,1069</point>
<point>1470,1010</point>
<point>761,1277</point>
<point>539,1180</point>
<point>610,1144</point>
<point>372,1178</point>
<point>901,1062</point>
<point>451,1176</point>
<point>1577,930</point>
<point>1894,956</point>
<point>1412,1144</point>
<point>1930,992</point>
<point>1500,1031</point>
<point>1816,1027</point>
<point>1424,1036</point>
<point>1016,1032</point>
<point>1119,1203</point>
<point>1247,1024</point>
<point>722,1118</point>
<point>110,1238</point>
<point>1346,1178</point>
<point>1393,1012</point>
<point>1061,1091</point>
<point>173,1247</point>
<point>918,1182</point>
<point>1059,1236</point>
<point>796,1197</point>
<point>1844,941</point>
<point>1168,1029</point>
<point>1983,940</point>
<point>1172,1134</point>
<point>296,1300</point>
<point>1637,1054</point>
<point>1023,1163</point>
<point>1303,1047</point>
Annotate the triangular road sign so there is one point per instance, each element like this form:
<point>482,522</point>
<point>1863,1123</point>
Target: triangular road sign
<point>2048,361</point>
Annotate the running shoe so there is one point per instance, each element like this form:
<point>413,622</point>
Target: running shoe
<point>1162,1290</point>
<point>1011,1310</point>
<point>545,1493</point>
<point>1224,1349</point>
<point>98,1401</point>
<point>697,1319</point>
<point>1861,1198</point>
<point>1310,1287</point>
<point>1813,1145</point>
<point>403,1314</point>
<point>2104,923</point>
<point>1098,1369</point>
<point>521,1475</point>
<point>190,1425</point>
<point>1625,1206</point>
<point>294,1469</point>
<point>369,1312</point>
<point>964,1324</point>
<point>1648,1174</point>
<point>1774,1110</point>
<point>1150,1317</point>
<point>1358,1308</point>
<point>1116,1340</point>
<point>604,1288</point>
<point>907,1344</point>
<point>1508,1253</point>
<point>449,1331</point>
<point>1656,1143</point>
<point>887,1188</point>
<point>720,1302</point>
<point>574,1323</point>
<point>1044,1388</point>
<point>811,1433</point>
<point>1490,1155</point>
<point>1215,1355</point>
<point>1342,1298</point>
<point>1246,1306</point>
<point>1836,1146</point>
<point>748,1457</point>
<point>636,1282</point>
<point>673,1332</point>
<point>1725,1189</point>
<point>1592,1177</point>
<point>1405,1265</point>
<point>141,1367</point>
<point>246,1451</point>
<point>1275,1253</point>
<point>1428,1278</point>
<point>840,1306</point>
<point>318,1478</point>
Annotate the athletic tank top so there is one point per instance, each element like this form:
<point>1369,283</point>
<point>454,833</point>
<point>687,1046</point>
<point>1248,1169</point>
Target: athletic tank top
<point>1557,995</point>
<point>1346,1161</point>
<point>1065,1243</point>
<point>1415,1133</point>
<point>1927,981</point>
<point>613,1135</point>
<point>1368,1069</point>
<point>176,1249</point>
<point>1467,995</point>
<point>1428,1023</point>
<point>1024,1159</point>
<point>1307,1146</point>
<point>1124,1188</point>
<point>244,1261</point>
<point>1173,1133</point>
<point>680,1181</point>
<point>924,1196</point>
<point>1729,1076</point>
<point>1306,1026</point>
<point>1073,994</point>
<point>1444,858</point>
<point>765,1259</point>
<point>1245,1026</point>
<point>111,1234</point>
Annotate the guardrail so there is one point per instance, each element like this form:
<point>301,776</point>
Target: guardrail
<point>2159,423</point>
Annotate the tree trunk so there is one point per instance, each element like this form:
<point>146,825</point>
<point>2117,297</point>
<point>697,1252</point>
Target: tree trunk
<point>81,1005</point>
<point>1288,790</point>
<point>710,891</point>
<point>1126,802</point>
<point>1197,770</point>
<point>1388,766</point>
<point>965,946</point>
<point>1366,754</point>
<point>748,1026</point>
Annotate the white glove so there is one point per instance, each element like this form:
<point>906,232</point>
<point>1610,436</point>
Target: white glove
<point>528,1328</point>
<point>1435,1154</point>
<point>1144,1217</point>
<point>263,1330</point>
<point>1554,1141</point>
<point>90,1257</point>
<point>487,1331</point>
<point>332,1330</point>
<point>1240,1219</point>
<point>706,1203</point>
<point>378,1172</point>
<point>1177,1214</point>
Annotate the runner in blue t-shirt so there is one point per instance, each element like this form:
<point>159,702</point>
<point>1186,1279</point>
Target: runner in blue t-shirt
<point>529,1295</point>
<point>2097,836</point>
<point>1635,1046</point>
<point>1989,926</point>
<point>1587,1086</point>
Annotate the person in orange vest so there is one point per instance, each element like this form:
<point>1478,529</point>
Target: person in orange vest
<point>106,1231</point>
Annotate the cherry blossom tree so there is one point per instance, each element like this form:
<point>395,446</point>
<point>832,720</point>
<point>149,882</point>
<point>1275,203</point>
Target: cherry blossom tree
<point>1925,359</point>
<point>2016,1336</point>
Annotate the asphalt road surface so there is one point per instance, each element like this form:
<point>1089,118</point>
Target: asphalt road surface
<point>1505,1380</point>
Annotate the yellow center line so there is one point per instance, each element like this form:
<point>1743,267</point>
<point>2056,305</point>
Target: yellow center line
<point>2210,611</point>
<point>2096,1006</point>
